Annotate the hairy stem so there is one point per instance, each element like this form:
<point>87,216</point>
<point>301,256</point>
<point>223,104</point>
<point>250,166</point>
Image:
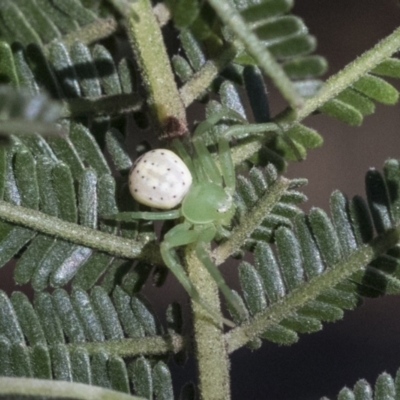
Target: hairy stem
<point>105,105</point>
<point>47,389</point>
<point>79,234</point>
<point>238,337</point>
<point>150,53</point>
<point>212,358</point>
<point>202,79</point>
<point>251,221</point>
<point>156,345</point>
<point>257,50</point>
<point>90,33</point>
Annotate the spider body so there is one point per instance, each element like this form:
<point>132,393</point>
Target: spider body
<point>206,206</point>
<point>159,179</point>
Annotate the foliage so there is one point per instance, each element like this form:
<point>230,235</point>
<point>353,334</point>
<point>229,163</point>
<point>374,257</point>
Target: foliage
<point>70,96</point>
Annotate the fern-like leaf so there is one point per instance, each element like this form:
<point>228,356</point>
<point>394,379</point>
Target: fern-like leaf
<point>83,338</point>
<point>386,387</point>
<point>69,178</point>
<point>316,250</point>
<point>252,192</point>
<point>277,147</point>
<point>88,79</point>
<point>23,113</point>
<point>40,21</point>
<point>284,35</point>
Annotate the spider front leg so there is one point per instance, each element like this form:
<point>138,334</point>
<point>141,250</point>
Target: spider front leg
<point>213,270</point>
<point>181,235</point>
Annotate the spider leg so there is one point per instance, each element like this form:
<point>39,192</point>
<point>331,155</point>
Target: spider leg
<point>251,130</point>
<point>225,112</point>
<point>180,149</point>
<point>207,162</point>
<point>204,257</point>
<point>226,164</point>
<point>264,131</point>
<point>147,215</point>
<point>178,236</point>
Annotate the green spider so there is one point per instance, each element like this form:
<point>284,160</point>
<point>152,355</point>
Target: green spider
<point>205,207</point>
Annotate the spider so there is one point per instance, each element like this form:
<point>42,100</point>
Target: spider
<point>206,205</point>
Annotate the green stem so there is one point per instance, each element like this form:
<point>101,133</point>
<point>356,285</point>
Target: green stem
<point>211,355</point>
<point>90,33</point>
<point>155,345</point>
<point>238,337</point>
<point>257,50</point>
<point>105,105</point>
<point>24,388</point>
<point>251,221</point>
<point>346,77</point>
<point>150,53</point>
<point>119,246</point>
<point>202,79</point>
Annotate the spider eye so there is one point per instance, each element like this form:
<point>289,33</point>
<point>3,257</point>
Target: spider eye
<point>225,205</point>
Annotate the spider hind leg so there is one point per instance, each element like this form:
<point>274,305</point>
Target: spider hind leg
<point>181,235</point>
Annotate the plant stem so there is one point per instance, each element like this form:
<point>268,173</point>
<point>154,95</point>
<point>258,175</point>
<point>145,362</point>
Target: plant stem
<point>150,53</point>
<point>48,389</point>
<point>80,234</point>
<point>90,33</point>
<point>251,221</point>
<point>257,50</point>
<point>202,79</point>
<point>209,343</point>
<point>105,105</point>
<point>155,345</point>
<point>238,337</point>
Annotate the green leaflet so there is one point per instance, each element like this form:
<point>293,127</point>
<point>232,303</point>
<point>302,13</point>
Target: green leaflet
<point>41,21</point>
<point>357,101</point>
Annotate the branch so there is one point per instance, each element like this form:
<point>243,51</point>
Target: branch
<point>79,234</point>
<point>47,389</point>
<point>238,337</point>
<point>90,33</point>
<point>251,221</point>
<point>156,345</point>
<point>211,355</point>
<point>148,46</point>
<point>122,103</point>
<point>202,79</point>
